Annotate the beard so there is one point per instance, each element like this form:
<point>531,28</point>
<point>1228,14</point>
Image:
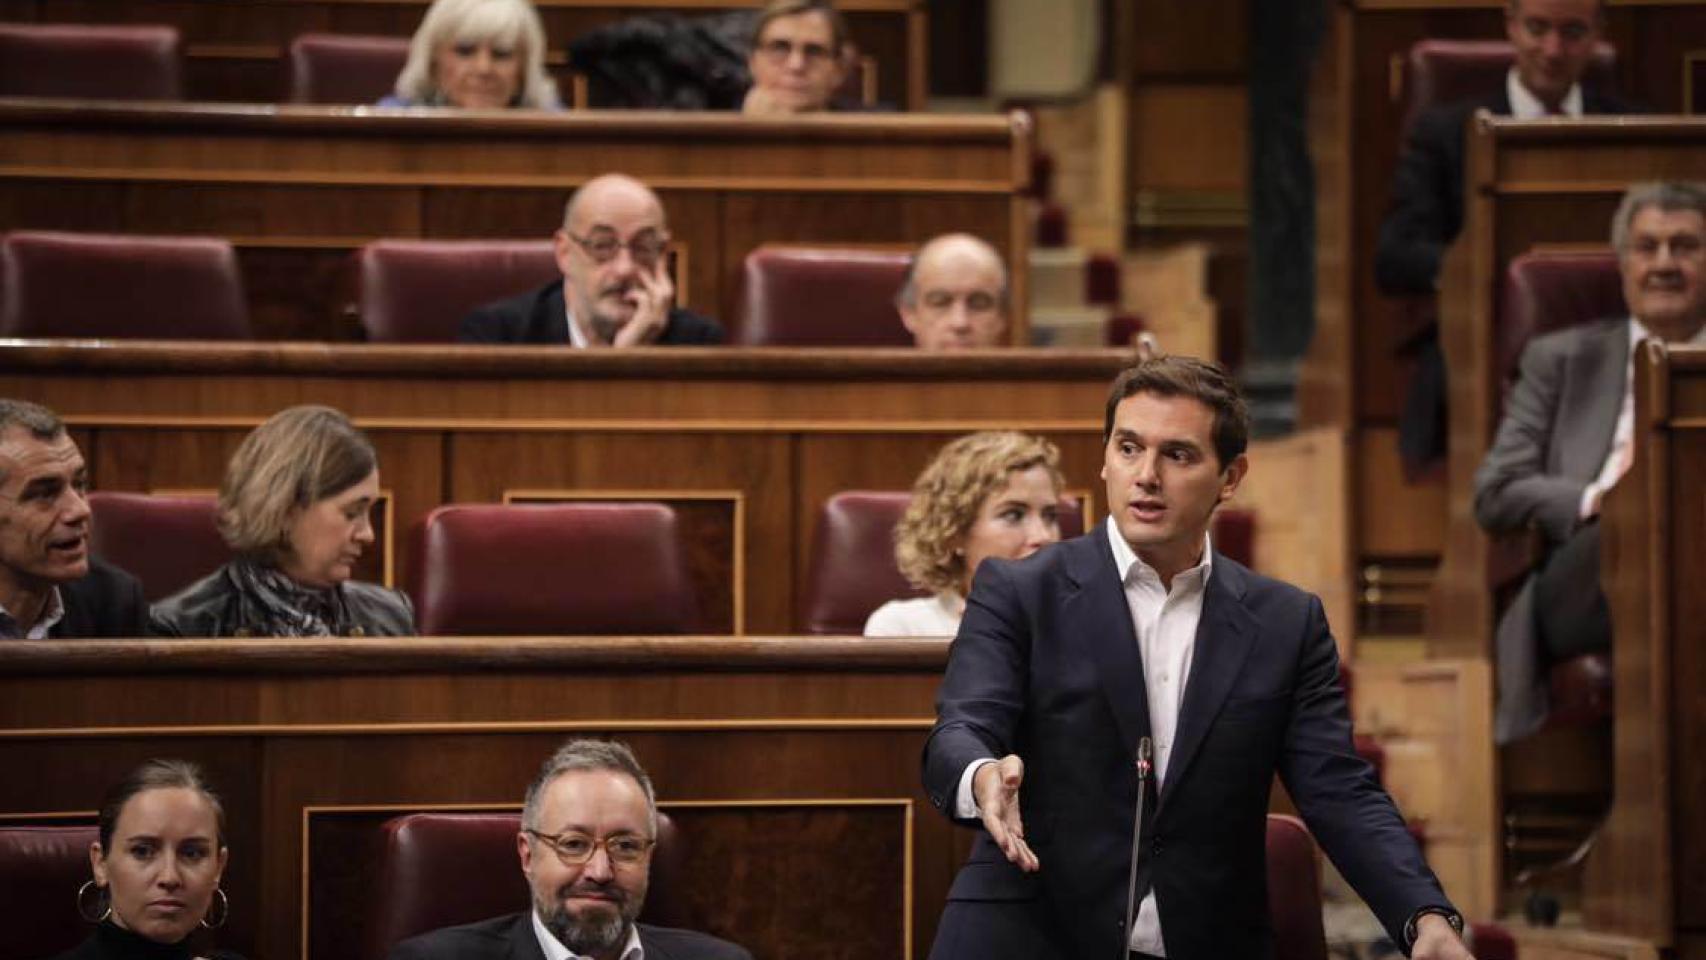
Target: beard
<point>593,931</point>
<point>609,314</point>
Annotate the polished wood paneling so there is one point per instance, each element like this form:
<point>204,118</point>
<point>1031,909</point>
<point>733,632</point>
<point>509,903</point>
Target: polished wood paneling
<point>782,429</point>
<point>1646,877</point>
<point>299,188</point>
<point>239,49</point>
<point>815,741</point>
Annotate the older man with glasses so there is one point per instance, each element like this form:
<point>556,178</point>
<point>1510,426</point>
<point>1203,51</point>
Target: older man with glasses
<point>616,291</point>
<point>587,833</point>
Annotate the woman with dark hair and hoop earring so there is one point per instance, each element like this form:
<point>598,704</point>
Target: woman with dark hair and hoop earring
<point>157,864</point>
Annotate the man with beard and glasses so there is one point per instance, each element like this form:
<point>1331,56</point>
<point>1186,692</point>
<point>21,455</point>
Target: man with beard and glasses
<point>613,251</point>
<point>587,832</point>
<point>1568,436</point>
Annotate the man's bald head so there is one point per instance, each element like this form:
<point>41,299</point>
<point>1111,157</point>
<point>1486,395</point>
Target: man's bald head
<point>607,196</point>
<point>954,294</point>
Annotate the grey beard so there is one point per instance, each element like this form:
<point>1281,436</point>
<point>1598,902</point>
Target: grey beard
<point>590,936</point>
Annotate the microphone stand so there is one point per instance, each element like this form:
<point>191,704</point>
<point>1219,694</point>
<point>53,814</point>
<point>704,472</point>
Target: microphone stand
<point>1145,752</point>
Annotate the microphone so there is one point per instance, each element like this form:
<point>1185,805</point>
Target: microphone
<point>1145,766</point>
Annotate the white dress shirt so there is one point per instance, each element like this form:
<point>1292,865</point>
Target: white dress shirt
<point>576,337</point>
<point>937,616</point>
<point>1622,454</point>
<point>1527,106</point>
<point>1165,622</point>
<point>50,617</point>
<point>554,949</point>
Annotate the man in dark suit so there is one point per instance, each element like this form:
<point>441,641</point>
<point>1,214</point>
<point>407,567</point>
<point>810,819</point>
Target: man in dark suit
<point>1554,42</point>
<point>1068,659</point>
<point>50,586</point>
<point>616,291</point>
<point>587,833</point>
<point>1568,435</point>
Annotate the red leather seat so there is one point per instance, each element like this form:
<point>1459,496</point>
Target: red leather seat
<point>41,868</point>
<point>1294,891</point>
<point>1546,291</point>
<point>90,61</point>
<point>559,569</point>
<point>418,291</point>
<point>344,68</point>
<point>807,297</point>
<point>167,542</point>
<point>420,851</point>
<point>120,287</point>
<point>1446,71</point>
<point>853,570</point>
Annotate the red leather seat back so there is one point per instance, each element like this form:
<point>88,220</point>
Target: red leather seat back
<point>167,542</point>
<point>120,287</point>
<point>1294,891</point>
<point>344,68</point>
<point>1552,290</point>
<point>90,61</point>
<point>41,868</point>
<point>418,291</point>
<point>853,570</point>
<point>558,569</point>
<point>444,869</point>
<point>807,297</point>
<point>1234,534</point>
<point>1446,71</point>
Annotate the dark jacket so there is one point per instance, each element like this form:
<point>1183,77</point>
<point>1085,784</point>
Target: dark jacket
<point>511,937</point>
<point>539,317</point>
<point>1047,665</point>
<point>109,942</point>
<point>106,602</point>
<point>214,607</point>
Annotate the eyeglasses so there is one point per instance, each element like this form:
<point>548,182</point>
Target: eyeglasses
<point>646,249</point>
<point>575,849</point>
<point>781,51</point>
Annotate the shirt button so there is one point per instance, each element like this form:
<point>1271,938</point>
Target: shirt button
<point>1166,678</point>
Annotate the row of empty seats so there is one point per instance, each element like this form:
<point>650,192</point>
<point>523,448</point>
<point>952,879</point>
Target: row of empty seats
<point>410,291</point>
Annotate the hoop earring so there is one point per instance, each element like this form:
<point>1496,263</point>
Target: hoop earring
<point>224,910</point>
<point>101,898</point>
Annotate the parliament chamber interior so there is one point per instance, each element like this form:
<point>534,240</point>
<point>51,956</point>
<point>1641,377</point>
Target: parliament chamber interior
<point>214,212</point>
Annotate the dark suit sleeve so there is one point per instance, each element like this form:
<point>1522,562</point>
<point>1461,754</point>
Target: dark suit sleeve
<point>132,609</point>
<point>485,325</point>
<point>687,328</point>
<point>411,949</point>
<point>1419,223</point>
<point>1512,489</point>
<point>1350,814</point>
<point>982,697</point>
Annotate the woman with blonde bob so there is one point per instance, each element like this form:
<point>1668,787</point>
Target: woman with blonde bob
<point>477,55</point>
<point>295,508</point>
<point>993,494</point>
<point>156,864</point>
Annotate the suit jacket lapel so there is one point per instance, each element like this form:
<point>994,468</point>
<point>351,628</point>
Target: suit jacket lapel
<point>1225,635</point>
<point>1098,609</point>
<point>523,942</point>
<point>550,320</point>
<point>1598,367</point>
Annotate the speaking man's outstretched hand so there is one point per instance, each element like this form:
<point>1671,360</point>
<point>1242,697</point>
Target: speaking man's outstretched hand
<point>996,787</point>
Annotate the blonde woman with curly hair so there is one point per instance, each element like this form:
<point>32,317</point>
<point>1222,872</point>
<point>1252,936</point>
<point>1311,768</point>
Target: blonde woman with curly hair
<point>985,495</point>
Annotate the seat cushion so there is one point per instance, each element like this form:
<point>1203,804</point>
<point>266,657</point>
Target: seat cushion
<point>114,286</point>
<point>344,68</point>
<point>418,291</point>
<point>41,868</point>
<point>90,61</point>
<point>166,542</point>
<point>803,296</point>
<point>1294,891</point>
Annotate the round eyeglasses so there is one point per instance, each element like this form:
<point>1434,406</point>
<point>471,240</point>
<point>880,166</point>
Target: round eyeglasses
<point>575,849</point>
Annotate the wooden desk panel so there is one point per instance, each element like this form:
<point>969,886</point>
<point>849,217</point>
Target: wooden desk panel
<point>781,428</point>
<point>822,735</point>
<point>238,50</point>
<point>1646,877</point>
<point>298,188</point>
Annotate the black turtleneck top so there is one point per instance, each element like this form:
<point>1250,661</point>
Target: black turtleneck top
<point>112,942</point>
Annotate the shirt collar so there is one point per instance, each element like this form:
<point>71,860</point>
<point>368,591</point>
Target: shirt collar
<point>576,338</point>
<point>1527,106</point>
<point>1125,557</point>
<point>50,617</point>
<point>1638,331</point>
<point>554,949</point>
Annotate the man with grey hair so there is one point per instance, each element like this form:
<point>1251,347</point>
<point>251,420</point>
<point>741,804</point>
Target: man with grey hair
<point>954,294</point>
<point>1568,436</point>
<point>50,585</point>
<point>616,291</point>
<point>588,829</point>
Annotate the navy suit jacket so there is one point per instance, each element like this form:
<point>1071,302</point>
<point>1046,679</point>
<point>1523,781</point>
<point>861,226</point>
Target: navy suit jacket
<point>1046,665</point>
<point>511,937</point>
<point>539,317</point>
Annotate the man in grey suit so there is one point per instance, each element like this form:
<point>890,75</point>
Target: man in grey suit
<point>1568,436</point>
<point>587,832</point>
